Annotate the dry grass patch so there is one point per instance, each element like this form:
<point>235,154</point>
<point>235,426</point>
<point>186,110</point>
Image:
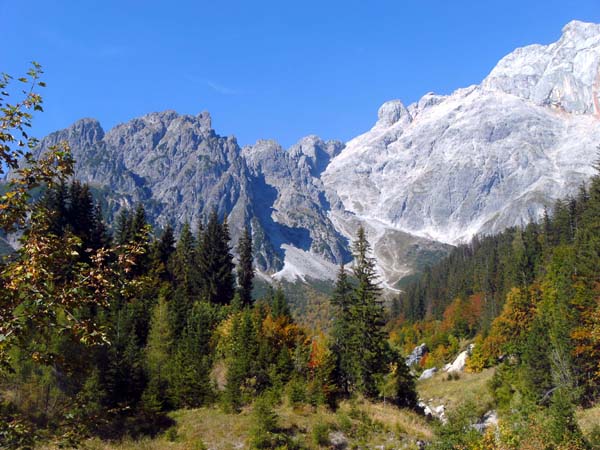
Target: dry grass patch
<point>588,419</point>
<point>363,423</point>
<point>401,421</point>
<point>470,387</point>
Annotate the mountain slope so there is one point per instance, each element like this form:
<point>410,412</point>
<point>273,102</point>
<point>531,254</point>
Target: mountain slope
<point>431,174</point>
<point>180,169</point>
<point>485,157</point>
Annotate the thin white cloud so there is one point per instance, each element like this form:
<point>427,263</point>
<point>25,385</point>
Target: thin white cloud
<point>220,88</point>
<point>217,87</point>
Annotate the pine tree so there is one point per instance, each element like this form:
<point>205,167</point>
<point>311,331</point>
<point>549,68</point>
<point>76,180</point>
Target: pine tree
<point>369,339</point>
<point>279,305</point>
<point>215,262</point>
<point>343,301</point>
<point>245,269</point>
<point>158,351</point>
<point>165,245</point>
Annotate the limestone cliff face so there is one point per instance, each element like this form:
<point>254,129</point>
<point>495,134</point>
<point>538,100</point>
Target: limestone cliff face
<point>484,158</point>
<point>432,173</point>
<point>180,169</point>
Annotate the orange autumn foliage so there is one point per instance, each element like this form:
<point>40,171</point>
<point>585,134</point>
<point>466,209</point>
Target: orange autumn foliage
<point>281,331</point>
<point>462,316</point>
<point>512,325</point>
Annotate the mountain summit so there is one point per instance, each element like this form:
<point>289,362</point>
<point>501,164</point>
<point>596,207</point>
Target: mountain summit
<point>483,158</point>
<point>436,172</point>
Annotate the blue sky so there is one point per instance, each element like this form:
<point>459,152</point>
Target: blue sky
<point>264,69</point>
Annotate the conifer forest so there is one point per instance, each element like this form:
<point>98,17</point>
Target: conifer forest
<point>117,332</point>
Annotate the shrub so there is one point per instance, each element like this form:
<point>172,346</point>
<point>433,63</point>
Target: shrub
<point>296,393</point>
<point>320,434</point>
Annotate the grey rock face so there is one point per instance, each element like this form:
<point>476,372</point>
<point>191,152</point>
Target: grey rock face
<point>5,248</point>
<point>432,173</point>
<point>563,75</point>
<point>416,355</point>
<point>484,158</point>
<point>428,373</point>
<point>300,202</point>
<point>180,169</point>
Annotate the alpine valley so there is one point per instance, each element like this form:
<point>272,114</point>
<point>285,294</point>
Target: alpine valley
<point>425,177</point>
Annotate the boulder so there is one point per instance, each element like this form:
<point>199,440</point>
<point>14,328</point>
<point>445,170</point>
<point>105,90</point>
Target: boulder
<point>416,355</point>
<point>428,373</point>
<point>458,365</point>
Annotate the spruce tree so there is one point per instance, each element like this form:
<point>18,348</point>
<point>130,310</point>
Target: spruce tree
<point>535,363</point>
<point>123,233</point>
<point>55,202</point>
<point>186,277</point>
<point>369,339</point>
<point>242,359</point>
<point>158,352</point>
<point>183,264</point>
<point>215,262</point>
<point>190,373</point>
<point>405,392</point>
<point>80,212</point>
<point>343,302</point>
<point>245,269</point>
<point>226,277</point>
<point>279,305</point>
<point>165,245</point>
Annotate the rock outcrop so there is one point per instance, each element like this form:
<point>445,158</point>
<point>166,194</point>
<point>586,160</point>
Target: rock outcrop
<point>416,355</point>
<point>426,175</point>
<point>485,157</point>
<point>459,363</point>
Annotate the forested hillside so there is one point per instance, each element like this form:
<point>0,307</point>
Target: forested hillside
<point>181,335</point>
<point>128,333</point>
<point>529,299</point>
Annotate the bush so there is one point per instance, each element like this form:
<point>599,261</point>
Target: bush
<point>594,437</point>
<point>171,434</point>
<point>320,434</point>
<point>199,445</point>
<point>264,431</point>
<point>453,376</point>
<point>459,431</point>
<point>344,422</point>
<point>296,393</point>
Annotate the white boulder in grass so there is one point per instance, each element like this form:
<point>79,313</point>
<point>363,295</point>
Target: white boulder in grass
<point>428,373</point>
<point>458,365</point>
<point>438,412</point>
<point>416,355</point>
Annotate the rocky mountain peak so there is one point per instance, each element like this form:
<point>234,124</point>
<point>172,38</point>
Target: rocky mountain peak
<point>205,120</point>
<point>563,75</point>
<point>481,159</point>
<point>577,30</point>
<point>438,171</point>
<point>315,152</point>
<point>88,130</point>
<point>391,112</point>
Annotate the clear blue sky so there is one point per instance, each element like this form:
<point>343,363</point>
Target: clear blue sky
<point>264,69</point>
